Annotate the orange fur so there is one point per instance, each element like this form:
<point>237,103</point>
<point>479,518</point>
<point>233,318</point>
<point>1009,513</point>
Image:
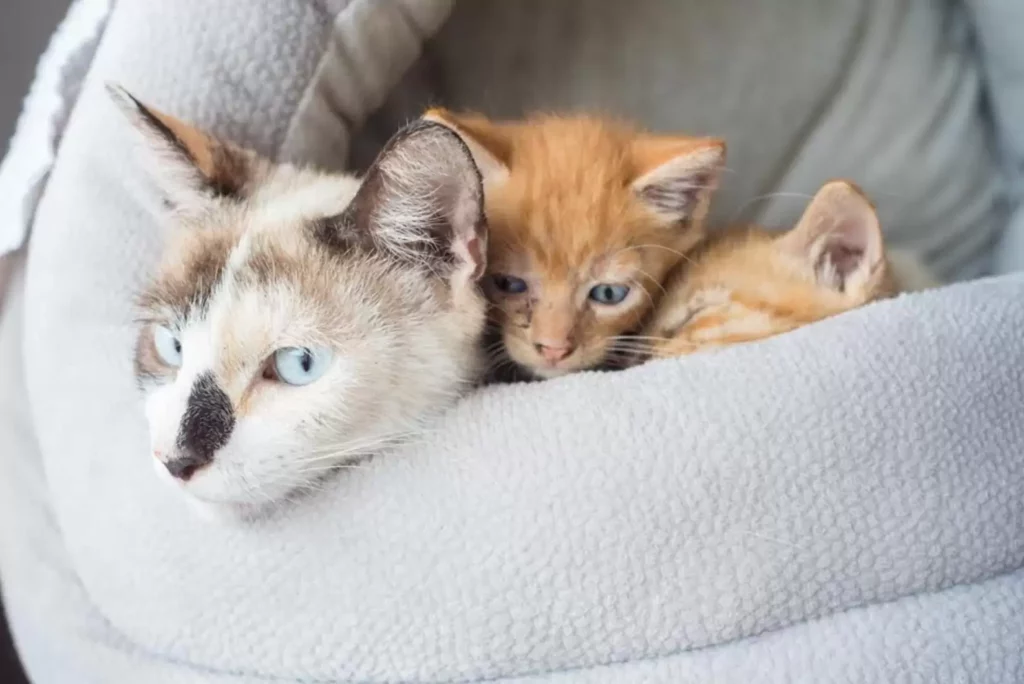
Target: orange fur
<point>578,201</point>
<point>749,284</point>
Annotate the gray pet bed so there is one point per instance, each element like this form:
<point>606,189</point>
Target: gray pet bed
<point>840,504</point>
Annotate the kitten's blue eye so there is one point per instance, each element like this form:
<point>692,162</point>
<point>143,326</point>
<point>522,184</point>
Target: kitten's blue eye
<point>509,284</point>
<point>168,346</point>
<point>300,365</point>
<point>608,294</point>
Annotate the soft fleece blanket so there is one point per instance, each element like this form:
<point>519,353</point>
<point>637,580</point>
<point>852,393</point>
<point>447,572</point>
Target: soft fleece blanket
<point>841,504</point>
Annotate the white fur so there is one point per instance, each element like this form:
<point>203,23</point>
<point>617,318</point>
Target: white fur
<point>166,404</point>
<point>415,191</point>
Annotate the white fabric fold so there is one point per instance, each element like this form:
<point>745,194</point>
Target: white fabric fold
<point>33,148</point>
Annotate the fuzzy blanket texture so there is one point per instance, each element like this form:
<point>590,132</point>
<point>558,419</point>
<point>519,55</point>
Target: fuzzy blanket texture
<point>841,504</point>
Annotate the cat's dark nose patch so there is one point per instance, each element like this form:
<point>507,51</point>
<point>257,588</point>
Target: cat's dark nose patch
<point>205,427</point>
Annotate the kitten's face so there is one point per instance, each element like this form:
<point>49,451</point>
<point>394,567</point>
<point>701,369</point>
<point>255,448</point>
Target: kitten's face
<point>752,285</point>
<point>299,321</point>
<point>587,218</point>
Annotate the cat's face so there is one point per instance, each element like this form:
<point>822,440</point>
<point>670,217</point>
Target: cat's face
<point>753,284</point>
<point>587,217</point>
<point>299,321</point>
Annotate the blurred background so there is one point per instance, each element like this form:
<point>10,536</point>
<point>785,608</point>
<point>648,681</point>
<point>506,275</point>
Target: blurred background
<point>25,28</point>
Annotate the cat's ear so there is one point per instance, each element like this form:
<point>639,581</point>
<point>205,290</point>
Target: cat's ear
<point>487,141</point>
<point>422,201</point>
<point>840,238</point>
<point>675,176</point>
<point>189,166</point>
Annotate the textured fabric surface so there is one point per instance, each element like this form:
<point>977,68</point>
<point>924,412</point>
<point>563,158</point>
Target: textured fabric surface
<point>555,527</point>
<point>842,504</point>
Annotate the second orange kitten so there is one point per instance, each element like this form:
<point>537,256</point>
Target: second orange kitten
<point>751,284</point>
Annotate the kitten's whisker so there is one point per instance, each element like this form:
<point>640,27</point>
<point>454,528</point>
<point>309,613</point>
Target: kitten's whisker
<point>656,338</point>
<point>652,279</point>
<point>630,351</point>
<point>679,254</point>
<point>760,198</point>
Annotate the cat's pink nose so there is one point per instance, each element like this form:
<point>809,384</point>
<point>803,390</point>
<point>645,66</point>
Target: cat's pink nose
<point>554,353</point>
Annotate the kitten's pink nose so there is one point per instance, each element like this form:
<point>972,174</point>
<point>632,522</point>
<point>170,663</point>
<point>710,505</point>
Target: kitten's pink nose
<point>553,353</point>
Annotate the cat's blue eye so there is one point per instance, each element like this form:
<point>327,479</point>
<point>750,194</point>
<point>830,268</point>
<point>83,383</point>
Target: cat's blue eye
<point>606,293</point>
<point>167,345</point>
<point>509,284</point>
<point>301,365</point>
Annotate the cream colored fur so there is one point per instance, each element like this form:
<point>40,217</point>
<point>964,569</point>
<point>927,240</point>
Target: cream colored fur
<point>310,260</point>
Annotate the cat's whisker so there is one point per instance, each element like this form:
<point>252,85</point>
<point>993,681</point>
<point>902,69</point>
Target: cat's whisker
<point>650,299</point>
<point>341,454</point>
<point>654,338</point>
<point>495,346</point>
<point>637,351</point>
<point>496,353</point>
<point>681,255</point>
<point>761,198</point>
<point>333,467</point>
<point>342,450</point>
<point>630,351</point>
<point>627,344</point>
<point>651,279</point>
<point>374,440</point>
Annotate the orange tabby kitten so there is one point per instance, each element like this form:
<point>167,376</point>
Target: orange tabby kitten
<point>587,216</point>
<point>752,284</point>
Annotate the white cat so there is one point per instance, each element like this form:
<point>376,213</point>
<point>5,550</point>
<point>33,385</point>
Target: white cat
<point>299,320</point>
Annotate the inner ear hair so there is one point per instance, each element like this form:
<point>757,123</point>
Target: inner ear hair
<point>188,160</point>
<point>839,235</point>
<point>675,176</point>
<point>422,201</point>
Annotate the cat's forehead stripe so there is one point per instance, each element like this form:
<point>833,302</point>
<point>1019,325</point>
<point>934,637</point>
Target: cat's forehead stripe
<point>254,257</point>
<point>186,287</point>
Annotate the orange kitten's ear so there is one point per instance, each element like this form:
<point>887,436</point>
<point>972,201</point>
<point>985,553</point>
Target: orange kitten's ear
<point>189,165</point>
<point>675,176</point>
<point>487,141</point>
<point>839,236</point>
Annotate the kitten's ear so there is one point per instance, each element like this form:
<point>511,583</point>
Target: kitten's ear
<point>676,176</point>
<point>422,201</point>
<point>839,236</point>
<point>487,141</point>
<point>188,165</point>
